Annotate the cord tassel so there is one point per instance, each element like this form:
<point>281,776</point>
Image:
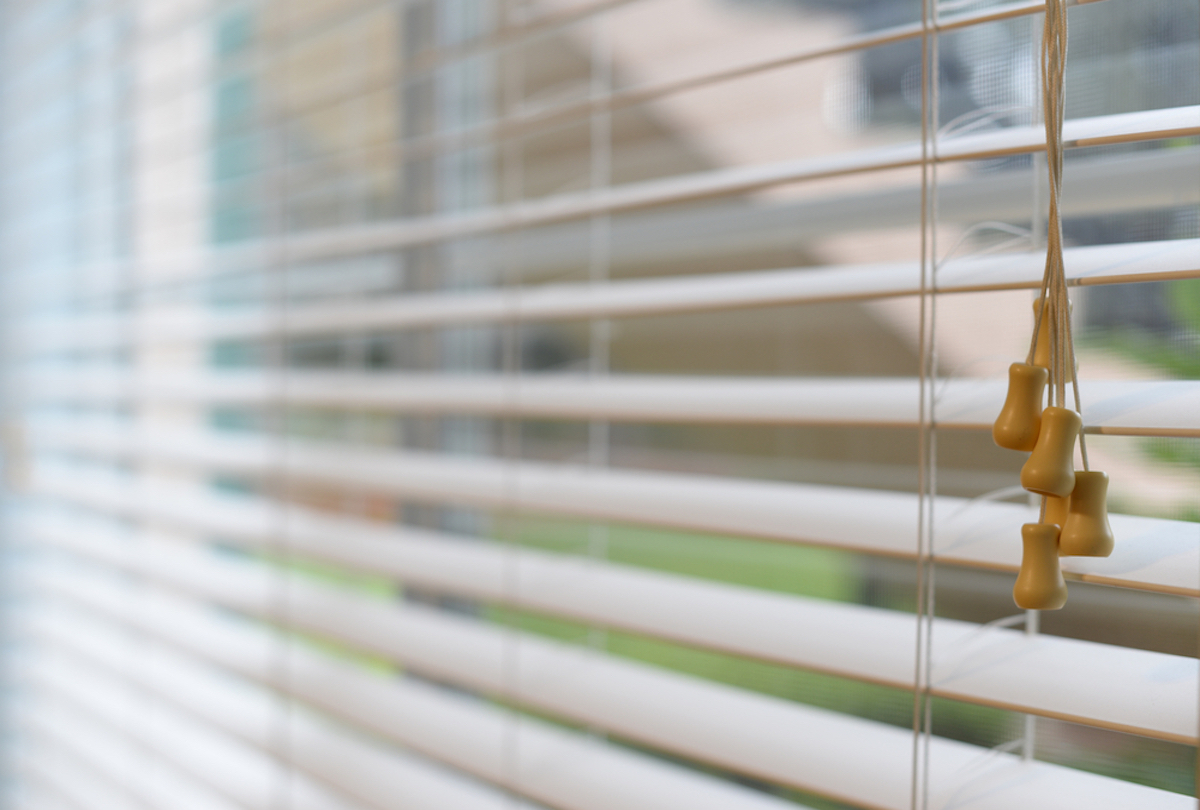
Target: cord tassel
<point>1074,517</point>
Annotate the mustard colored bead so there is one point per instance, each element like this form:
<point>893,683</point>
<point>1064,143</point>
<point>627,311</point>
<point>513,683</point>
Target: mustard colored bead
<point>1050,468</point>
<point>1040,585</point>
<point>1020,419</point>
<point>1087,532</point>
<point>1041,352</point>
<point>1056,509</point>
<point>1046,332</point>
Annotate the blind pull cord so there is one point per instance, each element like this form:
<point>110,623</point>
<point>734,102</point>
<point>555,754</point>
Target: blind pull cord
<point>1073,520</point>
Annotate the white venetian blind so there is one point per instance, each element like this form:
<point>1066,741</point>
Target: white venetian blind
<point>586,405</point>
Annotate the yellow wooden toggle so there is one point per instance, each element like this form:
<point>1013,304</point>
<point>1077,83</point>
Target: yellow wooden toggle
<point>1050,469</point>
<point>1040,585</point>
<point>1047,329</point>
<point>1020,419</point>
<point>1056,509</point>
<point>1087,532</point>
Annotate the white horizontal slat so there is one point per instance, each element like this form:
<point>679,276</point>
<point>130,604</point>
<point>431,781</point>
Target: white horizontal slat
<point>1101,185</point>
<point>384,779</point>
<point>527,121</point>
<point>237,771</point>
<point>459,730</point>
<point>315,246</point>
<point>33,792</point>
<point>789,742</point>
<point>1105,264</point>
<point>165,89</point>
<point>1142,181</point>
<point>1149,693</point>
<point>1120,128</point>
<point>1118,408</point>
<point>1155,554</point>
<point>65,780</point>
<point>133,773</point>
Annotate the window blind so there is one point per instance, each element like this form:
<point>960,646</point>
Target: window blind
<point>584,405</point>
